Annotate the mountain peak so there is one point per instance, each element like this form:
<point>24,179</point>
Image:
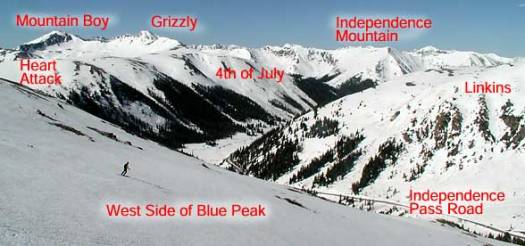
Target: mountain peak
<point>427,49</point>
<point>142,37</point>
<point>147,35</point>
<point>52,38</point>
<point>291,46</point>
<point>53,35</point>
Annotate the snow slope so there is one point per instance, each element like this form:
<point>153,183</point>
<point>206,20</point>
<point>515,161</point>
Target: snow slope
<point>151,85</point>
<point>432,57</point>
<point>426,132</point>
<point>60,166</point>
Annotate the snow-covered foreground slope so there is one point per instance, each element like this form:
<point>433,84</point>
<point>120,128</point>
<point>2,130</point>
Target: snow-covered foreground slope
<point>419,131</point>
<point>60,166</point>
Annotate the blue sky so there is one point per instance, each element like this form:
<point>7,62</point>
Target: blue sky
<point>485,26</point>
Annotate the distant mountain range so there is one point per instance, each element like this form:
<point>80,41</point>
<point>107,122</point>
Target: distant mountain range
<point>356,120</point>
<point>418,131</point>
<point>167,91</point>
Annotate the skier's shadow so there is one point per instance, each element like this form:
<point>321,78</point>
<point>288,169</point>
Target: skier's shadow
<point>163,189</point>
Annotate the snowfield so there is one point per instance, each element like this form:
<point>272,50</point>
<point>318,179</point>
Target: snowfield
<point>60,166</point>
<point>365,121</point>
<point>449,141</point>
<point>142,81</point>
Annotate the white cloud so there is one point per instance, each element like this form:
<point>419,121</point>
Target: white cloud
<point>521,5</point>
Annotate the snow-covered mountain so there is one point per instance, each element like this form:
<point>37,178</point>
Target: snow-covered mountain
<point>60,167</point>
<point>167,91</point>
<point>417,131</point>
<point>432,57</point>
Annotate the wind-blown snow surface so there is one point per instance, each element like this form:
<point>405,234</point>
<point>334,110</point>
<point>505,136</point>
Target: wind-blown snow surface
<point>440,138</point>
<point>60,166</point>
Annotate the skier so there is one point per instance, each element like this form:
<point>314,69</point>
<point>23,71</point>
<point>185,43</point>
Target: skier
<point>126,167</point>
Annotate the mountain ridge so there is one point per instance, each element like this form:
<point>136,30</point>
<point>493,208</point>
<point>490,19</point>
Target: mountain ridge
<point>144,62</point>
<point>61,166</point>
<point>417,131</point>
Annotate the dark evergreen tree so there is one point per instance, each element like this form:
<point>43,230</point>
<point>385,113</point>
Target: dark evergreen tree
<point>387,153</point>
<point>323,128</point>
